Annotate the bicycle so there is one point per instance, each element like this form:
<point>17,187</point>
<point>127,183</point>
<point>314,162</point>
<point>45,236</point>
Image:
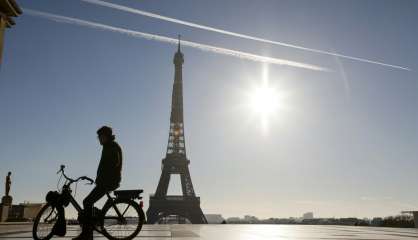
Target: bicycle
<point>121,218</point>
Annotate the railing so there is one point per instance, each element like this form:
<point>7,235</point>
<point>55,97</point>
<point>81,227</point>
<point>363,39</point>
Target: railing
<point>175,198</point>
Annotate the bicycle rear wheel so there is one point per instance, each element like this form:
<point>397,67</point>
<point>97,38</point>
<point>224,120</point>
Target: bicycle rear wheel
<point>44,222</point>
<point>123,220</point>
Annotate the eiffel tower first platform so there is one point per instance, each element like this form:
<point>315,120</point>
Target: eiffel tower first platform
<point>175,162</point>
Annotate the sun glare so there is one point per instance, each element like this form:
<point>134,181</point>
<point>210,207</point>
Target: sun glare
<point>264,101</point>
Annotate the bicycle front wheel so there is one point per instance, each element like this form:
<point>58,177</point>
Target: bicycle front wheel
<point>44,222</point>
<point>122,220</point>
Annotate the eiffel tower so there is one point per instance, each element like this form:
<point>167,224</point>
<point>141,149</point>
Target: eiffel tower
<point>175,162</point>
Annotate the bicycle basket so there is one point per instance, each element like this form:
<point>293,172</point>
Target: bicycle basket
<point>56,199</point>
<point>52,197</point>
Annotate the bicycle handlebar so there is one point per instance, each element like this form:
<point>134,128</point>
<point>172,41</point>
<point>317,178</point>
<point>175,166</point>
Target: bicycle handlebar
<point>74,180</point>
<point>86,178</point>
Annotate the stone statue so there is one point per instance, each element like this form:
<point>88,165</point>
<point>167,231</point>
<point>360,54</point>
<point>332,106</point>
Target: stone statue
<point>8,183</point>
<point>6,200</point>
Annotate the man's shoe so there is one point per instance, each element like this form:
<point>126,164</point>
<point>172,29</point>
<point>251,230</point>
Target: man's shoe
<point>84,236</point>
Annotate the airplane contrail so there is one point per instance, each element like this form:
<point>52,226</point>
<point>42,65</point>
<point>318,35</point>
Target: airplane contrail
<point>212,29</point>
<point>204,47</point>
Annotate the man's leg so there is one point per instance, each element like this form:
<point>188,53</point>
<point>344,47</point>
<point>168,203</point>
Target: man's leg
<point>88,202</point>
<point>93,197</point>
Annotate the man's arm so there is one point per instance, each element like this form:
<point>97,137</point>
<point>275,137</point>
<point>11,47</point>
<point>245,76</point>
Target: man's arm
<point>115,154</point>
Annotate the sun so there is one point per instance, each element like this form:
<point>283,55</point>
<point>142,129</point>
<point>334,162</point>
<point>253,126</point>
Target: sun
<point>264,100</point>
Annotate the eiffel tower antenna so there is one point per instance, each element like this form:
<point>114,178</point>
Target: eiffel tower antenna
<point>178,47</point>
<point>187,205</point>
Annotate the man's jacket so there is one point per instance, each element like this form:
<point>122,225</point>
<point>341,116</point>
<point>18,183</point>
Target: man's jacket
<point>110,167</point>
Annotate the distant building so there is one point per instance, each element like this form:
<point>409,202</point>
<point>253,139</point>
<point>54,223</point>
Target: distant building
<point>233,220</point>
<point>24,211</point>
<point>250,219</point>
<point>214,218</point>
<point>279,221</point>
<point>15,213</point>
<point>377,221</point>
<point>349,221</point>
<point>308,215</point>
<point>312,221</point>
<point>30,210</point>
<point>415,216</point>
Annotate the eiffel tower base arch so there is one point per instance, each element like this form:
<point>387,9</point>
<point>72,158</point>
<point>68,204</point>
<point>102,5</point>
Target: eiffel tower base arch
<point>187,207</point>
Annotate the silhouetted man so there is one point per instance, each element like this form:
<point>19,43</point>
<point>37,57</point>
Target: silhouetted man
<point>108,177</point>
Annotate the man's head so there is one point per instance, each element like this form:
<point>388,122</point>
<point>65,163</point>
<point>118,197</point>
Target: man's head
<point>9,173</point>
<point>105,135</point>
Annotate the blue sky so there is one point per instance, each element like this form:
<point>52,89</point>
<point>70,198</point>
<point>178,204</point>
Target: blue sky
<point>335,150</point>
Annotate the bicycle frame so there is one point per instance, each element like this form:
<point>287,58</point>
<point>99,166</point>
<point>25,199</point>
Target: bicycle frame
<point>66,192</point>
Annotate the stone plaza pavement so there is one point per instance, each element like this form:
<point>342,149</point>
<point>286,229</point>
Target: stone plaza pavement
<point>244,232</point>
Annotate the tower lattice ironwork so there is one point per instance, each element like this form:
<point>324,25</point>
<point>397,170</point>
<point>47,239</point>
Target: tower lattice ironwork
<point>186,205</point>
